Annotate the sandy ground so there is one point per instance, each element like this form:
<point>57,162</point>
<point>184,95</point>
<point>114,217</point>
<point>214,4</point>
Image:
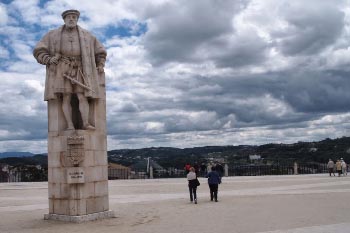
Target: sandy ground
<point>269,204</point>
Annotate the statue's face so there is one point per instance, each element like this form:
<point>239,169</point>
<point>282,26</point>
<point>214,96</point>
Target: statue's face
<point>71,20</point>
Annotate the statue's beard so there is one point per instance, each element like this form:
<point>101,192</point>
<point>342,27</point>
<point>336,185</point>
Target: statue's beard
<point>71,25</point>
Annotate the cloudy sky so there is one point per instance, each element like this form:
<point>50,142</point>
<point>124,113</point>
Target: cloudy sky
<point>190,73</point>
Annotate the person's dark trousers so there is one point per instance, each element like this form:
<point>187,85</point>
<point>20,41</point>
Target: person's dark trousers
<point>339,172</point>
<point>213,191</point>
<point>193,193</point>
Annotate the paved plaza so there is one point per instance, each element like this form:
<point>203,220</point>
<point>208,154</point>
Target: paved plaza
<point>265,204</point>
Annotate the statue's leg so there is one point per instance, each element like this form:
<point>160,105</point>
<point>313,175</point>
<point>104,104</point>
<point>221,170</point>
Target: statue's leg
<point>67,110</point>
<point>84,111</point>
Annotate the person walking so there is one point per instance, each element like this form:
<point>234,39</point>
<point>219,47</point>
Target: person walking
<point>203,169</point>
<point>220,169</point>
<point>338,167</point>
<point>330,166</point>
<point>343,167</point>
<point>214,180</point>
<point>187,168</point>
<point>193,183</point>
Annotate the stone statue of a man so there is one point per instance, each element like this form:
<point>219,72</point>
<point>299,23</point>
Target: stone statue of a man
<point>74,59</point>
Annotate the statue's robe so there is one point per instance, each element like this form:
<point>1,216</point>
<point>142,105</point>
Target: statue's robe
<point>93,54</point>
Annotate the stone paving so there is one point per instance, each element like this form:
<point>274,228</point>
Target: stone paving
<point>265,204</point>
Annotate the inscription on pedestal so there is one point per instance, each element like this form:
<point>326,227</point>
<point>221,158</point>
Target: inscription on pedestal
<point>75,175</point>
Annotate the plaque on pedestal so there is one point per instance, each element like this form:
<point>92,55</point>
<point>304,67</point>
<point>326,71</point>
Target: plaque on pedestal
<point>75,175</point>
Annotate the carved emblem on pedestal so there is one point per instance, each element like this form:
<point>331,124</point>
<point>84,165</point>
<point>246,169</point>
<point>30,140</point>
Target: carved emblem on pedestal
<point>75,149</point>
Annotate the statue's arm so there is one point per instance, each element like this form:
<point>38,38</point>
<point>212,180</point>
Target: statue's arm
<point>42,54</point>
<point>100,56</point>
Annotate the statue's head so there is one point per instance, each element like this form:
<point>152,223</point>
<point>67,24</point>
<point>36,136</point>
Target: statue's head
<point>70,18</point>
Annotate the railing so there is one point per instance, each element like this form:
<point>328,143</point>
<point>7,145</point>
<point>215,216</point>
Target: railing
<point>277,169</point>
<point>233,170</point>
<point>24,175</point>
<point>260,170</point>
<point>4,177</point>
<point>168,173</point>
<point>312,168</point>
<point>121,173</point>
<point>118,173</point>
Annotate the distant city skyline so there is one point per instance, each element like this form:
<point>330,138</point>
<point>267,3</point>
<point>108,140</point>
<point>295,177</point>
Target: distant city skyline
<point>190,73</point>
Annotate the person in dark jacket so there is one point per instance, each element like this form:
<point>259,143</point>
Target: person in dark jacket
<point>220,169</point>
<point>214,180</point>
<point>192,184</point>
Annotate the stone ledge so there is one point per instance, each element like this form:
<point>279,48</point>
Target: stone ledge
<point>81,218</point>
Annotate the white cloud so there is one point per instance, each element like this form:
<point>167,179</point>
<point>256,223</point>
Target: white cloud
<point>339,57</point>
<point>21,91</point>
<point>154,127</point>
<point>34,146</point>
<point>204,73</point>
<point>34,85</point>
<point>12,31</point>
<point>4,53</point>
<point>94,13</point>
<point>3,15</point>
<point>28,9</point>
<point>126,58</point>
<point>6,134</point>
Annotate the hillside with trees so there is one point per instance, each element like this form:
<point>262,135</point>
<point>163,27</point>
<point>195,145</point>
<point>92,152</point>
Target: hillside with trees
<point>318,152</point>
<point>303,152</point>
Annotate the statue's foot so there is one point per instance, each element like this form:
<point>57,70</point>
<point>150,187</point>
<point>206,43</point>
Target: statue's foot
<point>89,127</point>
<point>70,127</point>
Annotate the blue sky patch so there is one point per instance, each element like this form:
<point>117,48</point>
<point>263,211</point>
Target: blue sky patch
<point>126,28</point>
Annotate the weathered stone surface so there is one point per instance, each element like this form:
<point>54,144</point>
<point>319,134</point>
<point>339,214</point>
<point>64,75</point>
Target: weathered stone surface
<point>80,218</point>
<point>97,204</point>
<point>101,188</point>
<point>54,160</point>
<point>100,159</point>
<point>89,159</point>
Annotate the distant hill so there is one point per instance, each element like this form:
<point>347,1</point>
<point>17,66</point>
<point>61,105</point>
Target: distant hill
<point>32,160</point>
<point>15,154</point>
<point>174,157</point>
<point>167,156</point>
<point>274,152</point>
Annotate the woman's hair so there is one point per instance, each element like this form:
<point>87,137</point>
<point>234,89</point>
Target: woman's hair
<point>192,169</point>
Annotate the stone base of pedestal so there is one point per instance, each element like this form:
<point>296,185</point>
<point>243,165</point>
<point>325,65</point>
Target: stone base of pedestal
<point>82,218</point>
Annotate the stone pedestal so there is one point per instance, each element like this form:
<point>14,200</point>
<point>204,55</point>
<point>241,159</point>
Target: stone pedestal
<point>77,165</point>
<point>80,219</point>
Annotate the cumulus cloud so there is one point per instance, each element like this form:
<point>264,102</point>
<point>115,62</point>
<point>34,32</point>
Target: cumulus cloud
<point>3,15</point>
<point>186,73</point>
<point>308,31</point>
<point>28,10</point>
<point>4,53</point>
<point>179,28</point>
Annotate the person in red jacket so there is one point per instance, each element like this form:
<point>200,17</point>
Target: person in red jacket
<point>187,168</point>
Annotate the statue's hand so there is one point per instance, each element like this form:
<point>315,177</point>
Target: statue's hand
<point>100,69</point>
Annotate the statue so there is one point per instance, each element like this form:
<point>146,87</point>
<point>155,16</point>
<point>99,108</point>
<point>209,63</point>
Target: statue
<point>75,92</point>
<point>74,58</point>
